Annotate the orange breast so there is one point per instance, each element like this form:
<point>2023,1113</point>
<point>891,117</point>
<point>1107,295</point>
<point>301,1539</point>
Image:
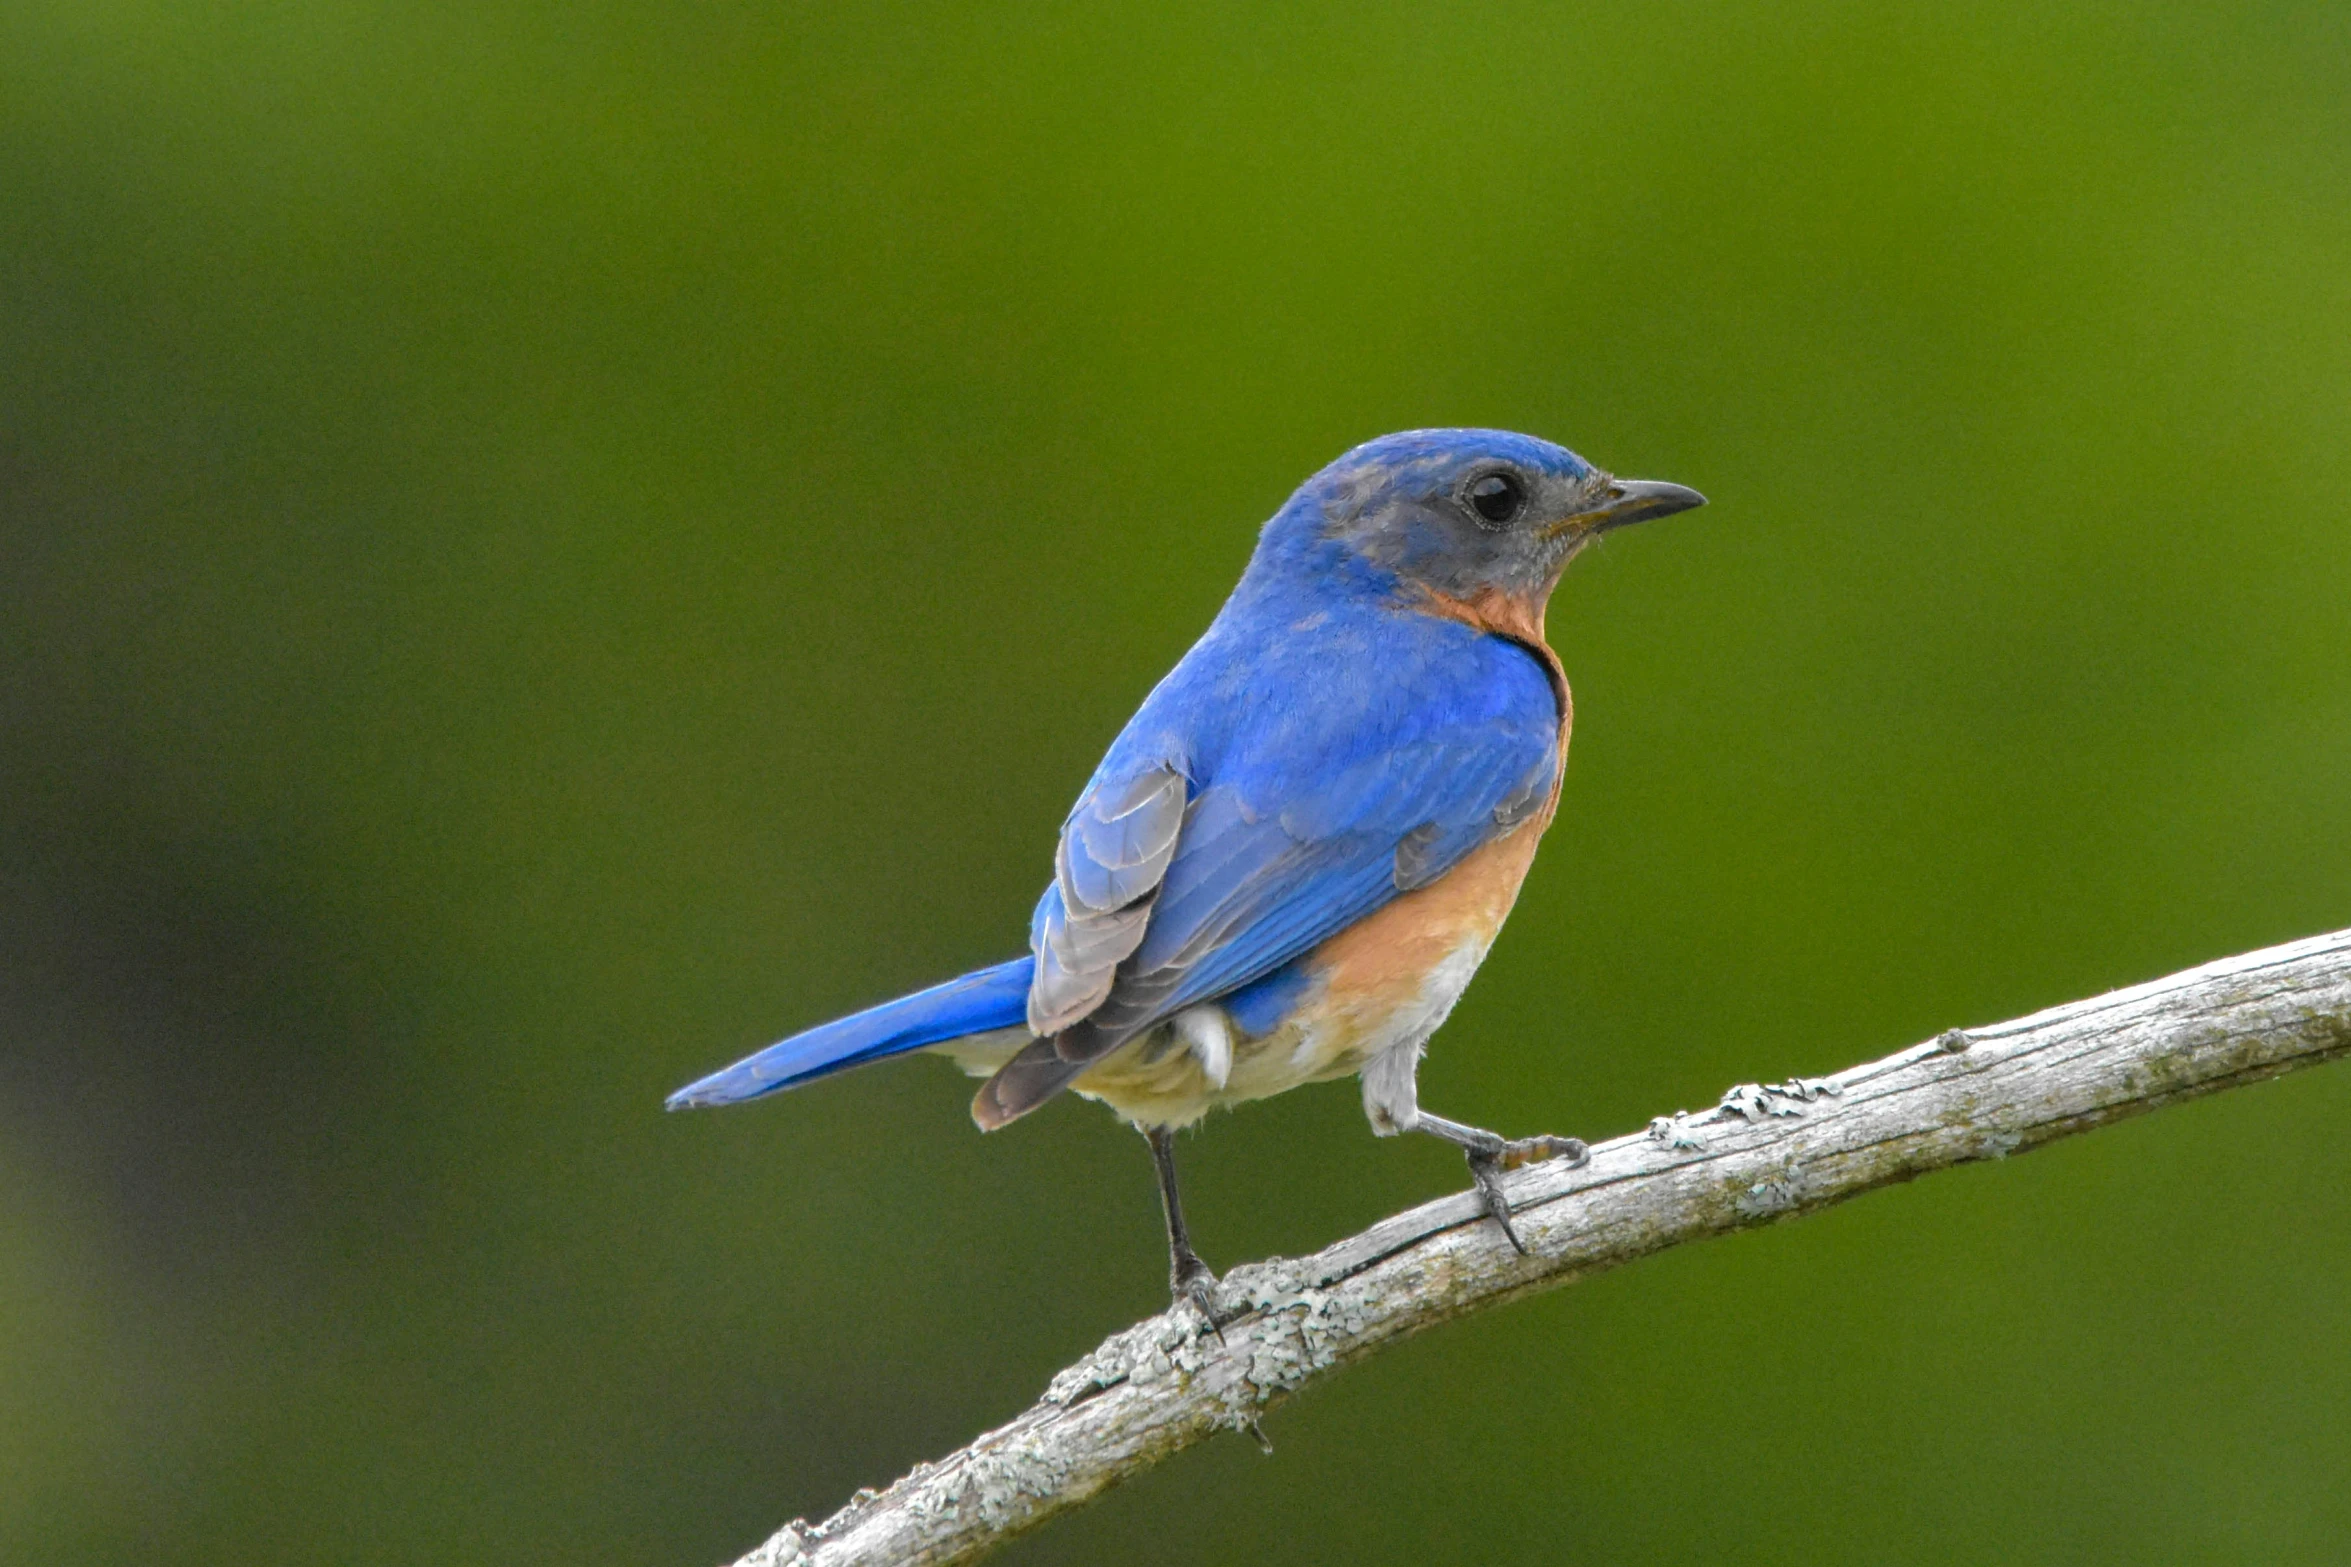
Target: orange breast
<point>1380,961</point>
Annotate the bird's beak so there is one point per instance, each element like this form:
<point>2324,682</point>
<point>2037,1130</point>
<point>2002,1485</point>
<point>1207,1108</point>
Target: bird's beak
<point>1619,503</point>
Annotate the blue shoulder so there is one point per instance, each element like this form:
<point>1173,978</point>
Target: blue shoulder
<point>1281,679</point>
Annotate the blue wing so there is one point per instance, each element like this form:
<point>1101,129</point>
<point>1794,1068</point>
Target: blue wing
<point>1316,794</point>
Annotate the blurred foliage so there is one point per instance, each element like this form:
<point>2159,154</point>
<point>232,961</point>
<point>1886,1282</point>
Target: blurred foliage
<point>542,547</point>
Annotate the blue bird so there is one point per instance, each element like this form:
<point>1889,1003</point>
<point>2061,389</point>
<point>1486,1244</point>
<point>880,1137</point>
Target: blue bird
<point>1300,848</point>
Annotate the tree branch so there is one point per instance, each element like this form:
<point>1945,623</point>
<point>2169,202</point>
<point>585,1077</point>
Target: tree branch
<point>1765,1153</point>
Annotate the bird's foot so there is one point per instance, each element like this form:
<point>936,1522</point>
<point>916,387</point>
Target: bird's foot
<point>1192,1283</point>
<point>1490,1154</point>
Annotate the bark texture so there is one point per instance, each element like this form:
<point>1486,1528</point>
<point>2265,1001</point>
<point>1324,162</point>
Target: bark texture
<point>1767,1152</point>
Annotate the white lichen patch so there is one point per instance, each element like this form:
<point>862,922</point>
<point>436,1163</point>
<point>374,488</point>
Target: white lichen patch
<point>1774,1195</point>
<point>785,1547</point>
<point>1677,1132</point>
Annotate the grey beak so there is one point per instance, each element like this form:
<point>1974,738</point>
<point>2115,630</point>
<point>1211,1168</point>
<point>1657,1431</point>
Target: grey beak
<point>1627,501</point>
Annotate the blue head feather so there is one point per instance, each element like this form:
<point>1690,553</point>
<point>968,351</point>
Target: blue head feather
<point>1401,509</point>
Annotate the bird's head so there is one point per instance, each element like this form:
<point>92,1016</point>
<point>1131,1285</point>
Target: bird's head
<point>1470,516</point>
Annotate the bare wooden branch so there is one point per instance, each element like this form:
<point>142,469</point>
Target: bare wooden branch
<point>1767,1152</point>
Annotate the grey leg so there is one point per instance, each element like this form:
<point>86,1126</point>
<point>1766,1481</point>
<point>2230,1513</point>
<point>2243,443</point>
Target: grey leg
<point>1188,1277</point>
<point>1490,1154</point>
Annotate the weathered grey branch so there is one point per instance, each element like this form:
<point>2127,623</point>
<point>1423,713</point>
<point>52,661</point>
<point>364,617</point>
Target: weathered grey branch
<point>1765,1153</point>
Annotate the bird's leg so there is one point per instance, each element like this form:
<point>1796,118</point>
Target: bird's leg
<point>1490,1154</point>
<point>1188,1278</point>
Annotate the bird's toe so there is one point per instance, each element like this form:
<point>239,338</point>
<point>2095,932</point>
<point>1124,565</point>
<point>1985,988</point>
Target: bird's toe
<point>1538,1150</point>
<point>1193,1284</point>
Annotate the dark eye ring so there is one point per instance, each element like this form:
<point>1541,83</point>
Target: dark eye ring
<point>1498,497</point>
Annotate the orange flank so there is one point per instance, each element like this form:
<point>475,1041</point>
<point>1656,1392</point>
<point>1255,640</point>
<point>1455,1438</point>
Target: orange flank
<point>1380,965</point>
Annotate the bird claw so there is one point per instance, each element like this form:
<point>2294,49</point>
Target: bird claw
<point>1490,1158</point>
<point>1486,1171</point>
<point>1193,1284</point>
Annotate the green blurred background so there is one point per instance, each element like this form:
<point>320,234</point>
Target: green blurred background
<point>542,548</point>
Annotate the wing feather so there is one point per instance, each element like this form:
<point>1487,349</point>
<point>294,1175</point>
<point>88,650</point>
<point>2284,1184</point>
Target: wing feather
<point>1114,852</point>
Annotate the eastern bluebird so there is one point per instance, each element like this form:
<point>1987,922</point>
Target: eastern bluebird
<point>1300,848</point>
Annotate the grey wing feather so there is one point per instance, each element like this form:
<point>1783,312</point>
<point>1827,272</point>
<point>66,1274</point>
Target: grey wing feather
<point>1114,852</point>
<point>1522,802</point>
<point>1229,850</point>
<point>1419,858</point>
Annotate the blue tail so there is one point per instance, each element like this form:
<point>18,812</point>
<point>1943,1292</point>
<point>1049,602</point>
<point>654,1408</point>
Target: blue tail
<point>984,999</point>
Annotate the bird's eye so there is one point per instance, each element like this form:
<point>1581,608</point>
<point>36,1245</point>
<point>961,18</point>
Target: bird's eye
<point>1497,497</point>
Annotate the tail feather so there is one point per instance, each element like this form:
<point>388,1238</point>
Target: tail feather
<point>985,999</point>
<point>1023,1083</point>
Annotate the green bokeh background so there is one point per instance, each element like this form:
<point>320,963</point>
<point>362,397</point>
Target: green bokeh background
<point>543,547</point>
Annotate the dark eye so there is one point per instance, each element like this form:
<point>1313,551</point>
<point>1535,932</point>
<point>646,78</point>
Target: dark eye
<point>1498,497</point>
